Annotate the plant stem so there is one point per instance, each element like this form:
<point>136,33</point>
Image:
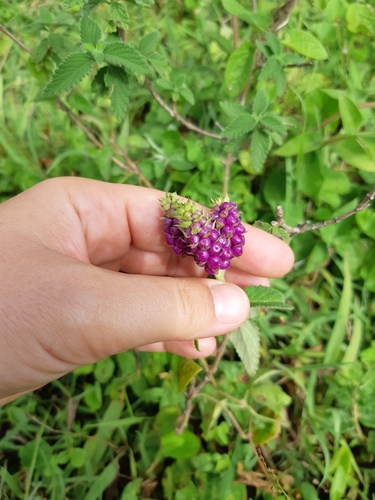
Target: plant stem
<point>306,226</point>
<point>174,114</point>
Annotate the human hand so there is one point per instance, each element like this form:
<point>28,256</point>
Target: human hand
<point>64,303</point>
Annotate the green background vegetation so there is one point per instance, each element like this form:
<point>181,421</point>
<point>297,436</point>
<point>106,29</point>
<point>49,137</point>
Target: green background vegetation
<point>304,426</point>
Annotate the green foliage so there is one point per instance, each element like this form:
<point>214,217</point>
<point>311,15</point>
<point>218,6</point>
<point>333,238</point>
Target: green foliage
<point>292,110</point>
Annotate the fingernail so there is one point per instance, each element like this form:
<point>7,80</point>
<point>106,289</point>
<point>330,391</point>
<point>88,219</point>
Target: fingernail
<point>231,303</point>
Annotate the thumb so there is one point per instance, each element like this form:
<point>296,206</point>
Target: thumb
<point>112,312</point>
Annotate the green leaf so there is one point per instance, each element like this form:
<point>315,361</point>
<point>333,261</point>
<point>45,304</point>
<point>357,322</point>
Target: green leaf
<point>246,341</point>
<point>70,72</point>
<point>353,153</point>
<point>232,109</point>
<point>264,296</point>
<point>90,32</point>
<point>238,69</point>
<point>118,79</point>
<point>123,55</point>
<point>45,16</point>
<point>270,70</point>
<point>148,43</point>
<point>187,94</point>
<point>279,232</point>
<point>280,79</point>
<point>187,369</point>
<point>360,19</point>
<point>260,21</point>
<point>184,446</point>
<point>93,396</point>
<point>273,43</point>
<point>159,63</point>
<point>69,4</point>
<point>104,370</point>
<point>164,84</point>
<point>350,115</point>
<point>239,126</point>
<point>120,14</point>
<point>273,122</point>
<point>303,143</point>
<point>366,222</point>
<point>260,103</point>
<point>261,144</point>
<point>98,83</point>
<point>305,43</point>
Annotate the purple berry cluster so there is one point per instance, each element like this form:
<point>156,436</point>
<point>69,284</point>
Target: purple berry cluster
<point>212,240</point>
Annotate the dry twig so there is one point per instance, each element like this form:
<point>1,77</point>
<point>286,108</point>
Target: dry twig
<point>174,114</point>
<point>306,226</point>
<point>194,390</point>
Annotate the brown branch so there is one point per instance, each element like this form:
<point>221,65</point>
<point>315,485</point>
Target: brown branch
<point>235,32</point>
<point>173,113</point>
<point>306,226</point>
<point>129,166</point>
<point>337,116</point>
<point>282,15</point>
<point>193,390</point>
<point>15,40</point>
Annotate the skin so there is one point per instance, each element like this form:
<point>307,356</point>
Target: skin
<point>64,303</point>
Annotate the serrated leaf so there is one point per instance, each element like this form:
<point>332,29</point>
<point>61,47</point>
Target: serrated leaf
<point>69,4</point>
<point>121,54</point>
<point>90,32</point>
<point>235,145</point>
<point>239,126</point>
<point>118,79</point>
<point>98,84</point>
<point>238,69</point>
<point>187,369</point>
<point>45,16</point>
<point>70,72</point>
<point>187,94</point>
<point>264,296</point>
<point>264,49</point>
<point>148,43</point>
<point>246,341</point>
<point>120,14</point>
<point>280,78</point>
<point>279,232</point>
<point>273,43</point>
<point>270,69</point>
<point>165,84</point>
<point>232,109</point>
<point>260,103</point>
<point>305,43</point>
<point>159,63</point>
<point>273,122</point>
<point>41,51</point>
<point>260,146</point>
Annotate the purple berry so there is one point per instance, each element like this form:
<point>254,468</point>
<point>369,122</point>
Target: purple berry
<point>204,243</point>
<point>202,256</point>
<point>194,239</point>
<point>214,234</point>
<point>240,229</point>
<point>216,249</point>
<point>214,261</point>
<point>231,220</point>
<point>209,270</point>
<point>237,239</point>
<point>227,231</point>
<point>169,240</point>
<point>237,251</point>
<point>226,254</point>
<point>224,265</point>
